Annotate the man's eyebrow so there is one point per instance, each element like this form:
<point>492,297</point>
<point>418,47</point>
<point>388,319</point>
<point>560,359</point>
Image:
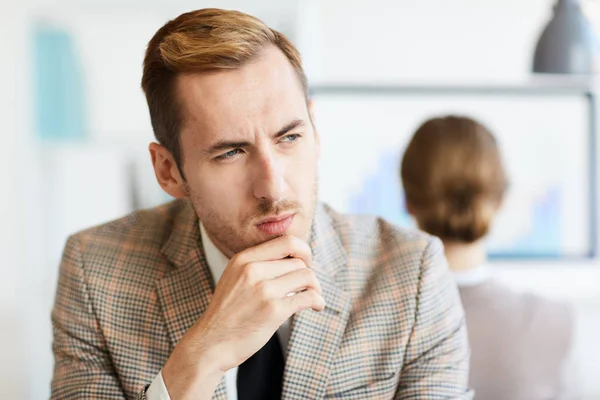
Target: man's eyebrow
<point>225,145</point>
<point>222,145</point>
<point>288,127</point>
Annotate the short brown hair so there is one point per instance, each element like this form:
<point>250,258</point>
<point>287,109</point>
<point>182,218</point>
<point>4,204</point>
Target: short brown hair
<point>453,178</point>
<point>203,40</point>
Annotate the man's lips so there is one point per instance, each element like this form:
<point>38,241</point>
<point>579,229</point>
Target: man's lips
<point>276,225</point>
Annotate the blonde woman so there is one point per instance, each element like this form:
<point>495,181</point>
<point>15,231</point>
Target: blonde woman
<point>454,183</point>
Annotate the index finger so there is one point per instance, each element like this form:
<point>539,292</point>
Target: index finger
<point>286,246</point>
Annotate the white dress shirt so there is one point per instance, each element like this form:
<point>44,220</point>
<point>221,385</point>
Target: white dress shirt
<point>217,262</point>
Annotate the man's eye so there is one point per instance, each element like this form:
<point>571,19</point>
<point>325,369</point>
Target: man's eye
<point>291,138</point>
<point>228,155</point>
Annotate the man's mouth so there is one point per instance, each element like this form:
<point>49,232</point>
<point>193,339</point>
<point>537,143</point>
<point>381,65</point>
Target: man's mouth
<point>276,225</point>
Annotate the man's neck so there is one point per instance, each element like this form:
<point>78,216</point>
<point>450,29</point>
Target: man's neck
<point>465,256</point>
<point>216,244</point>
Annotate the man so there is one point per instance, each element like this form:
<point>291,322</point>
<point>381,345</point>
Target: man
<point>245,287</point>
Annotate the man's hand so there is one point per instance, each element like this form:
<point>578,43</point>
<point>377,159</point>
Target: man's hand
<point>251,301</point>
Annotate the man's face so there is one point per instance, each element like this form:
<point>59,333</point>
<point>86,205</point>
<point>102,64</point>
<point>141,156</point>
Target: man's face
<point>250,152</point>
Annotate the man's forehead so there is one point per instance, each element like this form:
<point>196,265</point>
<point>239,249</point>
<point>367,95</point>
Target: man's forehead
<point>266,92</point>
<point>270,75</point>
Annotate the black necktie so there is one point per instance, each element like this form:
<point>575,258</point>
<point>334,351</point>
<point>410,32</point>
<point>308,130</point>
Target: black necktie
<point>261,376</point>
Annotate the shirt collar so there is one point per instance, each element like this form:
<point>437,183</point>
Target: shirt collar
<point>472,277</point>
<point>216,260</point>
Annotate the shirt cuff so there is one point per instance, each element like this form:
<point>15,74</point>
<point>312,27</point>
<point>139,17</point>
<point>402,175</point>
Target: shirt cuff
<point>158,390</point>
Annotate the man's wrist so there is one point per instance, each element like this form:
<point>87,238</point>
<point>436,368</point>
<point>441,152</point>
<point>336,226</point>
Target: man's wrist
<point>187,378</point>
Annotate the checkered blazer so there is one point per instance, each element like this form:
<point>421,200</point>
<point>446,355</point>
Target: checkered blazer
<point>392,328</point>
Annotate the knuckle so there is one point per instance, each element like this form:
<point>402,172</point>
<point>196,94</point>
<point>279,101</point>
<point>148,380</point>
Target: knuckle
<point>315,297</point>
<point>318,300</point>
<point>263,290</point>
<point>307,274</point>
<point>250,273</point>
<point>238,259</point>
<point>298,264</point>
<point>271,307</point>
<point>290,240</point>
<point>296,244</point>
<point>315,280</point>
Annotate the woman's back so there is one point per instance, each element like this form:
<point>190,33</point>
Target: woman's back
<point>521,344</point>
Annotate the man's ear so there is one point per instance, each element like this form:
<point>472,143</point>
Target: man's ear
<point>311,113</point>
<point>167,173</point>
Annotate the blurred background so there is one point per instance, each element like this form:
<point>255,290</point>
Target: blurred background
<point>75,129</point>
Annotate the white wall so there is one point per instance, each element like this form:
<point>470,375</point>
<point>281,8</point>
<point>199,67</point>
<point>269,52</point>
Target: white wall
<point>13,249</point>
<point>418,40</point>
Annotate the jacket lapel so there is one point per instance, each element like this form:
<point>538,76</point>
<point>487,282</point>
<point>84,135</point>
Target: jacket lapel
<point>186,288</point>
<point>315,337</point>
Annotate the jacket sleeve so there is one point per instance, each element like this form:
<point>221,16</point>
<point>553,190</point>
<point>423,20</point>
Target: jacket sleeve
<point>436,364</point>
<point>82,365</point>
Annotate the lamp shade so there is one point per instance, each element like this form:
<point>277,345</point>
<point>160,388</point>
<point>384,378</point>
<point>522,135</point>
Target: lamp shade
<point>567,44</point>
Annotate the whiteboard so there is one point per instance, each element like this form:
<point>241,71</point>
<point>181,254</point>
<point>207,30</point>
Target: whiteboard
<point>545,138</point>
